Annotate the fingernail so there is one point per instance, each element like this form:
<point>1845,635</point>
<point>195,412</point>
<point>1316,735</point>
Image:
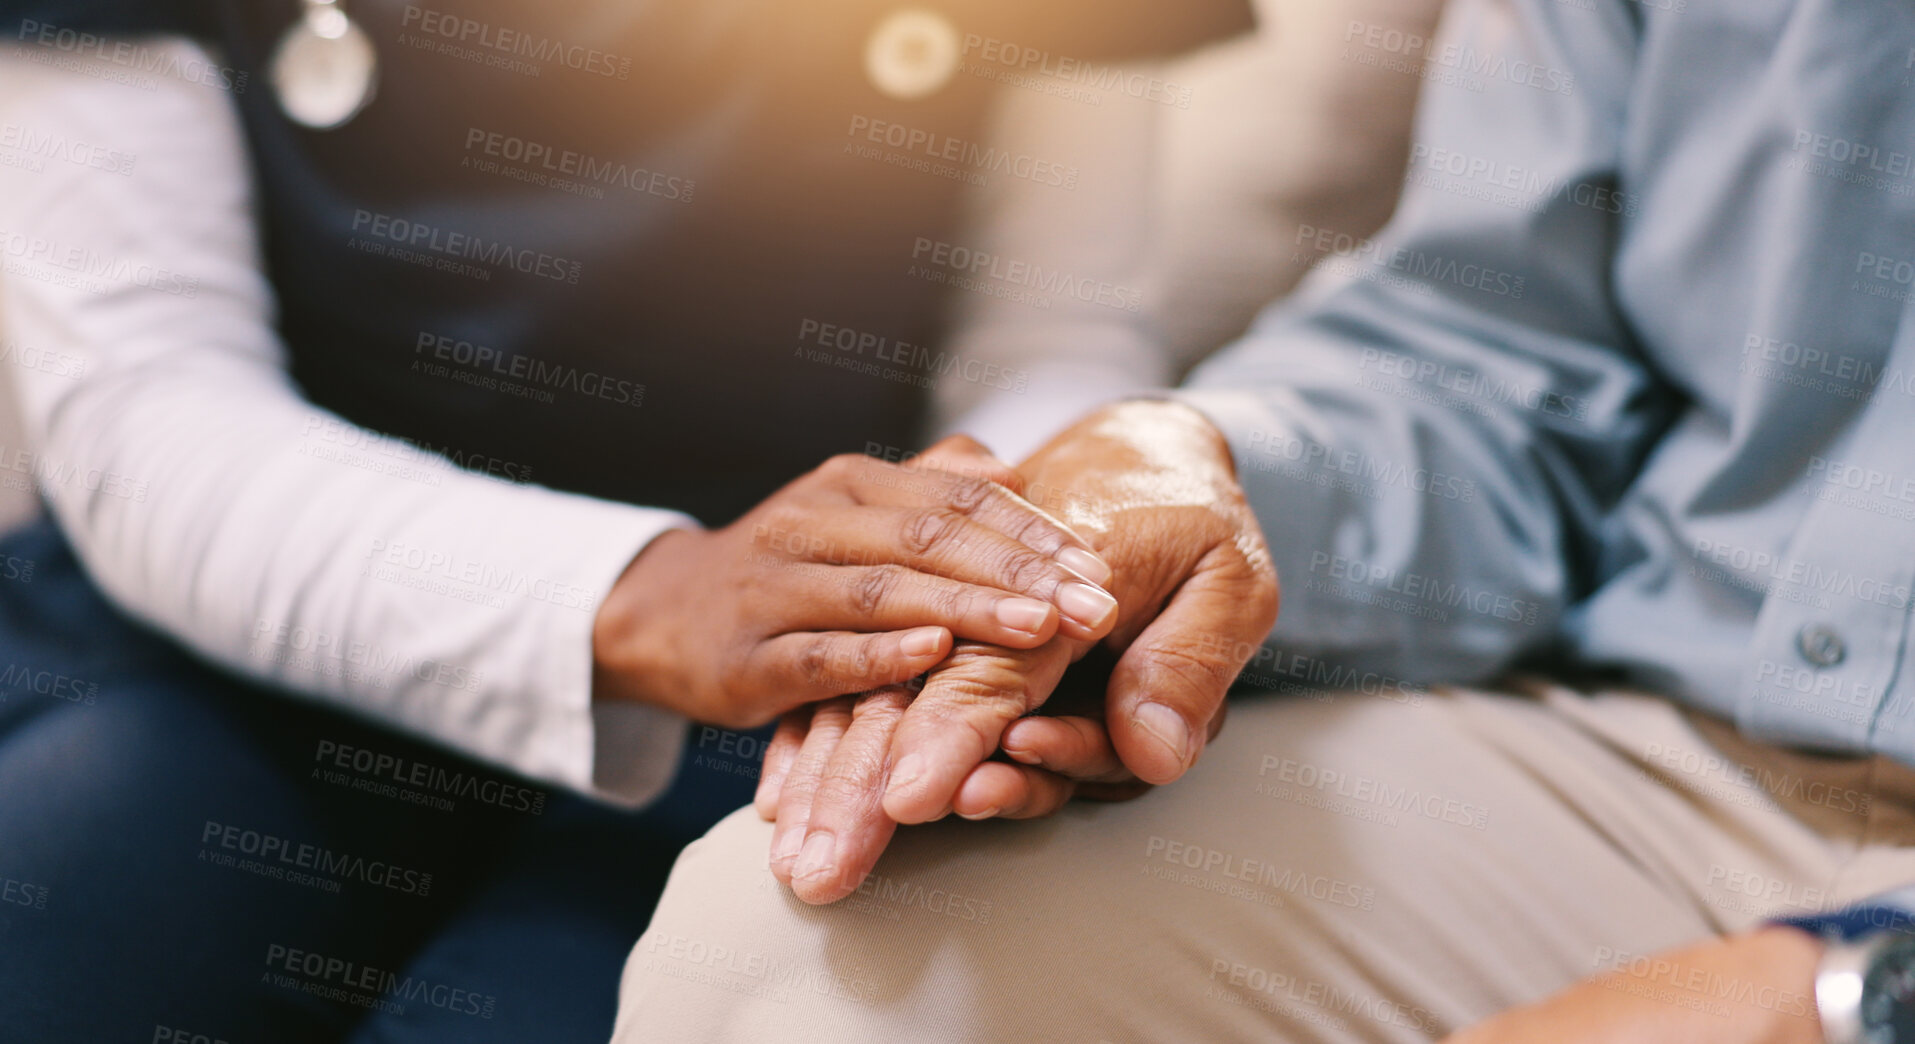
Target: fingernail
<point>817,859</point>
<point>1087,605</point>
<point>1023,614</point>
<point>922,642</point>
<point>1022,755</point>
<point>906,774</point>
<point>986,814</point>
<point>1084,564</point>
<point>784,847</point>
<point>1168,727</point>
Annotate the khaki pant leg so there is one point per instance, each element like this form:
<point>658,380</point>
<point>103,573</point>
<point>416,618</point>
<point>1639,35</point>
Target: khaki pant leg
<point>1346,869</point>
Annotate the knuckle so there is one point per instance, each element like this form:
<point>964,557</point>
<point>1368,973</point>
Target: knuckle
<point>955,602</point>
<point>1198,675</point>
<point>1026,570</point>
<point>851,772</point>
<point>924,530</point>
<point>840,467</point>
<point>874,587</point>
<point>967,493</point>
<point>814,661</point>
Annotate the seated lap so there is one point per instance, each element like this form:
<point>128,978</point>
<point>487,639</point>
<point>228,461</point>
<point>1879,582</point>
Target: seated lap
<point>1341,868</point>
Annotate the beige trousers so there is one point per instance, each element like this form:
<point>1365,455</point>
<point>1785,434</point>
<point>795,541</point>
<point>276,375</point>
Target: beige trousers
<point>1345,868</point>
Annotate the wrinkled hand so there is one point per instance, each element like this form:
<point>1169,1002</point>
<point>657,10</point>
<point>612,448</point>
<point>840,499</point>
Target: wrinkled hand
<point>1150,485</point>
<point>856,576</point>
<point>826,766</point>
<point>1757,988</point>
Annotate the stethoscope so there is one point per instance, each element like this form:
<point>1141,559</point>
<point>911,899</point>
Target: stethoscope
<point>325,69</point>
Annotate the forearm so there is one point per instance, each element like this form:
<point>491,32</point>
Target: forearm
<point>208,498</point>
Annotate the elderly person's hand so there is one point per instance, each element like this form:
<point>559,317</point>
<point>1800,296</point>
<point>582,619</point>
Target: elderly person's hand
<point>1151,486</point>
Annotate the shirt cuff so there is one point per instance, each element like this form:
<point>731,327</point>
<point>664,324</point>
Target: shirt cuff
<point>620,753</point>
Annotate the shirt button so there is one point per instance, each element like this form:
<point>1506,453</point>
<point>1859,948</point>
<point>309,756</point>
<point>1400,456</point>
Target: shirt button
<point>1820,646</point>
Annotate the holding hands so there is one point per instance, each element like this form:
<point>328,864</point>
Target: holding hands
<point>1151,488</point>
<point>858,575</point>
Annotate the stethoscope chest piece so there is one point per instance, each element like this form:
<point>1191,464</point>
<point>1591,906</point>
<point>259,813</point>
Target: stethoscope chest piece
<point>325,69</point>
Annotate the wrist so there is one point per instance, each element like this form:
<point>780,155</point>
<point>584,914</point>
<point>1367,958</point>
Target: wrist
<point>631,633</point>
<point>1792,958</point>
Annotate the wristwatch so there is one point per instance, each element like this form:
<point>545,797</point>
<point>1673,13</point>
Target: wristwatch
<point>1865,987</point>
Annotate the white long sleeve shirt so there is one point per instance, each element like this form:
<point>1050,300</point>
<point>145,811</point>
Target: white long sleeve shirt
<point>207,497</point>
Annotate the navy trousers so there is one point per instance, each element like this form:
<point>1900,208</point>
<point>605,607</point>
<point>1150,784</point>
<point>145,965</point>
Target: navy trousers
<point>185,857</point>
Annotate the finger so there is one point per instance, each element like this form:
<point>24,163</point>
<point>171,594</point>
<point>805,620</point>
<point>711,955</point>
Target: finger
<point>943,541</point>
<point>1170,683</point>
<point>965,455</point>
<point>1069,745</point>
<point>958,719</point>
<point>1002,791</point>
<point>896,597</point>
<point>828,723</point>
<point>847,828</point>
<point>874,483</point>
<point>808,666</point>
<point>779,754</point>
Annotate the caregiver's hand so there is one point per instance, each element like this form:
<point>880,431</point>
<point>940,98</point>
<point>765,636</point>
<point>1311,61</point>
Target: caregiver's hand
<point>856,576</point>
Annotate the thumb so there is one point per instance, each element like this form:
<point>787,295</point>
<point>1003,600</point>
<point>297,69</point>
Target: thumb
<point>1170,683</point>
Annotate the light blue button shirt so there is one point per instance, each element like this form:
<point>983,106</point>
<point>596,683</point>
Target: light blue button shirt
<point>1629,380</point>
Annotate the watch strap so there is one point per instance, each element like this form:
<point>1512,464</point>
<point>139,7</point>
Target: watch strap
<point>1854,922</point>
